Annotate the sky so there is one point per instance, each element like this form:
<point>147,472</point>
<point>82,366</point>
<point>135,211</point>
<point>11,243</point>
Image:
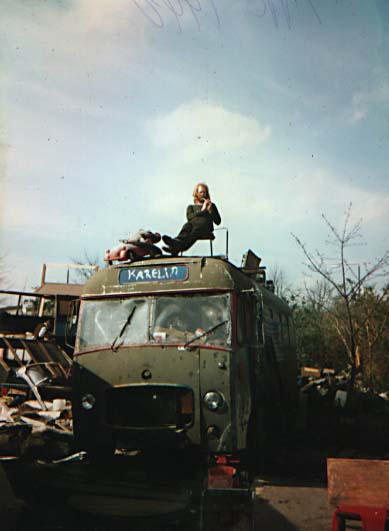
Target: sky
<point>112,111</point>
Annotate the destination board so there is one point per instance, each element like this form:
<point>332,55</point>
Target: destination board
<point>153,274</point>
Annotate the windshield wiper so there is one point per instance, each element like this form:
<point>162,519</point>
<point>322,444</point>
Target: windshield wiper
<point>115,347</point>
<point>206,333</point>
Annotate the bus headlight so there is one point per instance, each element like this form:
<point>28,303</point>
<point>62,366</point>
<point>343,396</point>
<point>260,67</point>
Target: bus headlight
<point>88,401</point>
<point>213,400</point>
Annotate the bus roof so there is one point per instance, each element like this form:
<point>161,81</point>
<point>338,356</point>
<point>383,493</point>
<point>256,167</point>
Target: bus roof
<point>172,275</point>
<point>167,274</point>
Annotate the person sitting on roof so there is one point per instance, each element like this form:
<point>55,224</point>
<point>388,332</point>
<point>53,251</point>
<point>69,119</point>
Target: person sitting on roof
<point>201,216</point>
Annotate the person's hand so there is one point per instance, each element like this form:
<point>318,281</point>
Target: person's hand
<point>207,205</point>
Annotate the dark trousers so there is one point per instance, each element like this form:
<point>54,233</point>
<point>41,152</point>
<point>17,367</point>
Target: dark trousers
<point>190,233</point>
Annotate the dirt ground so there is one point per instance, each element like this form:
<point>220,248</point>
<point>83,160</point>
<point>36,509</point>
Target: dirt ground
<point>282,506</point>
<point>278,505</point>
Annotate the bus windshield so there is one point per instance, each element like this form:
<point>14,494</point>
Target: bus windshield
<point>173,319</point>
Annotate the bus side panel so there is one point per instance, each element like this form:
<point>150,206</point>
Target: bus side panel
<point>241,391</point>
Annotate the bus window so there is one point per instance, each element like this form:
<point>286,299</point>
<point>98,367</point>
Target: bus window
<point>245,320</point>
<point>103,322</point>
<point>182,318</point>
<point>173,319</point>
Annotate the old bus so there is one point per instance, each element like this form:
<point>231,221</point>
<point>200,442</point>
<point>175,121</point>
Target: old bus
<point>182,352</point>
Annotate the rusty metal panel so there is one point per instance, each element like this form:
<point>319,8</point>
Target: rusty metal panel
<point>362,482</point>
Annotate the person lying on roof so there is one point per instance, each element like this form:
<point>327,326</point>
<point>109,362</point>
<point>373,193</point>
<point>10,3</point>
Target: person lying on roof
<point>135,247</point>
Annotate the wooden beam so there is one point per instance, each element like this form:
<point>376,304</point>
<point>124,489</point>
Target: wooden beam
<point>15,355</point>
<point>30,353</point>
<point>54,369</point>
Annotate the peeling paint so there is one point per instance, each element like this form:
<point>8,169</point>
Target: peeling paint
<point>225,442</point>
<point>228,275</point>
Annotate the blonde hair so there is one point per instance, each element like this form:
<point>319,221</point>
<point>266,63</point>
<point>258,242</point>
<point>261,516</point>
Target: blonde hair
<point>195,196</point>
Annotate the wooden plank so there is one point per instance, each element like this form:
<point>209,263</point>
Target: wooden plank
<point>29,351</point>
<point>52,368</point>
<point>358,482</point>
<point>58,355</point>
<point>4,368</point>
<point>14,353</point>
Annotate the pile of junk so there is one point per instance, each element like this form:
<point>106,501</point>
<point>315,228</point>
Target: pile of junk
<point>340,411</point>
<point>36,350</point>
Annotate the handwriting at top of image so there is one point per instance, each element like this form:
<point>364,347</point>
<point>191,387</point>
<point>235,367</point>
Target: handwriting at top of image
<point>155,11</point>
<point>279,12</point>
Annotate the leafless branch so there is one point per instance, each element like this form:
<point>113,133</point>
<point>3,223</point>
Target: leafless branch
<point>84,274</point>
<point>346,285</point>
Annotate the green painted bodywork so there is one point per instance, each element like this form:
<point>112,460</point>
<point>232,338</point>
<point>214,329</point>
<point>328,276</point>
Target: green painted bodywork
<point>205,273</point>
<point>240,373</point>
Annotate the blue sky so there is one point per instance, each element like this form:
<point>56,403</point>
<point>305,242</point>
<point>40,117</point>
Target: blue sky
<point>111,112</point>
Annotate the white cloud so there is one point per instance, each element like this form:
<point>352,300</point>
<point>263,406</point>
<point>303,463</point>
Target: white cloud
<point>207,142</point>
<point>198,129</point>
<point>70,70</point>
<point>201,142</point>
<point>266,200</point>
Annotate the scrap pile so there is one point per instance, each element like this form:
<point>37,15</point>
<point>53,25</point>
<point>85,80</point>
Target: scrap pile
<point>342,416</point>
<point>36,347</point>
<point>28,430</point>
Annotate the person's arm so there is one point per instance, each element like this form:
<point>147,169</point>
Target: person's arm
<point>192,213</point>
<point>215,214</point>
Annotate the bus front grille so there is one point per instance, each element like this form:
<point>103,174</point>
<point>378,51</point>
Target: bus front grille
<point>151,406</point>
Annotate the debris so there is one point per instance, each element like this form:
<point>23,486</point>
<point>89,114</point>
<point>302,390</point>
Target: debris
<point>30,429</point>
<point>310,372</point>
<point>74,458</point>
<point>13,437</point>
<point>34,376</point>
<point>6,412</point>
<point>338,419</point>
<point>340,398</point>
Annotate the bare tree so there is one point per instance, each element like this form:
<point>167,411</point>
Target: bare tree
<point>346,284</point>
<point>82,273</point>
<point>373,325</point>
<point>316,339</point>
<point>281,287</point>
